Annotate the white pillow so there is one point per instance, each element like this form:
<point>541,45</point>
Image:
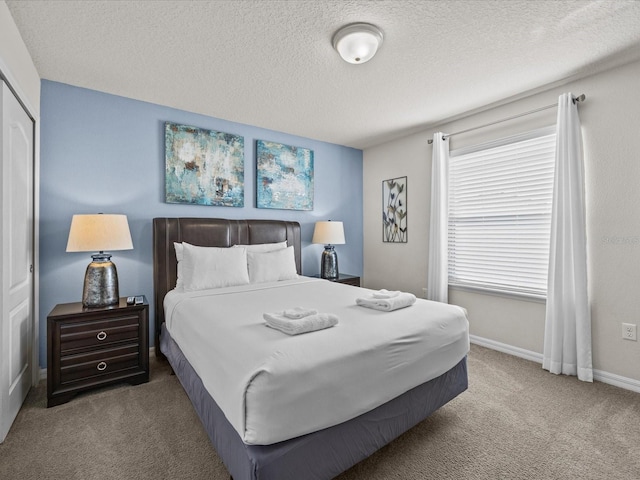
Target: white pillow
<point>263,247</point>
<point>272,266</point>
<point>213,267</point>
<point>179,257</point>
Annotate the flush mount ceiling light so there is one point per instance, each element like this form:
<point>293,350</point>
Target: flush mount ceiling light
<point>357,42</point>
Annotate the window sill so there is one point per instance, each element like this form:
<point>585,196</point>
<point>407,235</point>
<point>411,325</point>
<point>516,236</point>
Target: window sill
<point>500,293</point>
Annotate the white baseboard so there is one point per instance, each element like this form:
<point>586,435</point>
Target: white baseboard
<point>505,348</point>
<point>43,371</point>
<point>598,375</point>
<point>617,380</point>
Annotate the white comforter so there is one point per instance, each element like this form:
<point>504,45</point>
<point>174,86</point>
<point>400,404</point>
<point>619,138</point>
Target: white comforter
<point>272,386</point>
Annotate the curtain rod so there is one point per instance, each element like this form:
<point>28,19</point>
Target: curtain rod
<point>579,98</point>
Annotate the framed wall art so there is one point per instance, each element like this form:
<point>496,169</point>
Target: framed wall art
<point>203,167</point>
<point>284,176</point>
<point>394,210</point>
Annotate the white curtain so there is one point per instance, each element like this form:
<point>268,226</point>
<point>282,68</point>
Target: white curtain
<point>567,336</point>
<point>438,268</point>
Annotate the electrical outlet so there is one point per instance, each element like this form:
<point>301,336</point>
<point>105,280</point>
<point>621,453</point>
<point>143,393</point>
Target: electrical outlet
<point>629,331</point>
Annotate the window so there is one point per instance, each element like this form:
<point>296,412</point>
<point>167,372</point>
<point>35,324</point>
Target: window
<point>500,197</point>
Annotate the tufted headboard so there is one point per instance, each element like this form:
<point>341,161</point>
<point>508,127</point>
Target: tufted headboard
<point>208,232</point>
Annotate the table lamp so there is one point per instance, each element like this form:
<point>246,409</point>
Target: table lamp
<point>90,233</point>
<point>329,233</point>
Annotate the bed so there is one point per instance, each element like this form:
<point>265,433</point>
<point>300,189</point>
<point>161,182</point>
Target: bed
<point>251,447</point>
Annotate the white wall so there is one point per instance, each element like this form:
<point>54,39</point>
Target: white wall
<point>16,63</point>
<point>611,131</point>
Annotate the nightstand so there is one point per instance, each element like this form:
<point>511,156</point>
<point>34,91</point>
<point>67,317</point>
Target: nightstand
<point>95,347</point>
<point>344,278</point>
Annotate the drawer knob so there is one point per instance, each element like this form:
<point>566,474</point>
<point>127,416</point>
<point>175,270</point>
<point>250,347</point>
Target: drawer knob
<point>102,366</point>
<point>101,336</point>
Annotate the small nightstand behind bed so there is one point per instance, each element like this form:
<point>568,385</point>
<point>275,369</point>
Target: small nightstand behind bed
<point>345,278</point>
<point>95,347</point>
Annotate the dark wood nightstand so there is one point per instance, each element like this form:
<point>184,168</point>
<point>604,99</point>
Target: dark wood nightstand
<point>95,347</point>
<point>344,278</point>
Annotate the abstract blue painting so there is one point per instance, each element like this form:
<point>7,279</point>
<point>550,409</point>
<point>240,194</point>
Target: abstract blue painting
<point>203,167</point>
<point>284,176</point>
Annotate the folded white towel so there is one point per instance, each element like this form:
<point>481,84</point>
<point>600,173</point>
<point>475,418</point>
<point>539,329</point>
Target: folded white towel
<point>297,326</point>
<point>386,293</point>
<point>299,312</point>
<point>401,300</point>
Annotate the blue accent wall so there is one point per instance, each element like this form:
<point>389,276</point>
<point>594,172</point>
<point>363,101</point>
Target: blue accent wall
<point>104,153</point>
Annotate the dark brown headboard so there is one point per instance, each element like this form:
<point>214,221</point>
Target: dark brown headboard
<point>208,232</point>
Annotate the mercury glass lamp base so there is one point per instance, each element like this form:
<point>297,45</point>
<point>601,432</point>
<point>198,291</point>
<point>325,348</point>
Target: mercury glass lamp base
<point>329,263</point>
<point>100,282</point>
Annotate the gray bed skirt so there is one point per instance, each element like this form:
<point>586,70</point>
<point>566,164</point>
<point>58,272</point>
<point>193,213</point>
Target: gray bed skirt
<point>320,455</point>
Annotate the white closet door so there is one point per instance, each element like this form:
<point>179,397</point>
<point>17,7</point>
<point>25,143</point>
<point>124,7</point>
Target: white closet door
<point>16,261</point>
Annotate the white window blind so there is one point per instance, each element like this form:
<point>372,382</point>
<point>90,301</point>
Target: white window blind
<point>500,214</point>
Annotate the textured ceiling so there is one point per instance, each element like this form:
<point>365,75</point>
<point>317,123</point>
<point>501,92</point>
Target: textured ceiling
<point>270,63</point>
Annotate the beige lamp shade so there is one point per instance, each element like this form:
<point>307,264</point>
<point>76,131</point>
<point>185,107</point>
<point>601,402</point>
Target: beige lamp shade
<point>99,233</point>
<point>328,233</point>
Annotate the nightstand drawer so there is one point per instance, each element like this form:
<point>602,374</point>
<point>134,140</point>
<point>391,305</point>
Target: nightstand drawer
<point>93,334</point>
<point>85,367</point>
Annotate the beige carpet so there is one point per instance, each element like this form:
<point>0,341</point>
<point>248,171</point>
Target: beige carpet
<point>515,422</point>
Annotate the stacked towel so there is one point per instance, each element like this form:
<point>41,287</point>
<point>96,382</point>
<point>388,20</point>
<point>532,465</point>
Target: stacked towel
<point>401,300</point>
<point>299,312</point>
<point>308,323</point>
<point>385,293</point>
